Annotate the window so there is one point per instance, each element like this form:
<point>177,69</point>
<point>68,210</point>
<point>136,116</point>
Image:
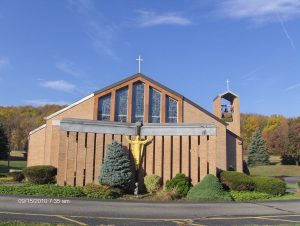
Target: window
<point>154,106</point>
<point>171,110</point>
<point>121,105</point>
<point>104,108</point>
<point>138,102</point>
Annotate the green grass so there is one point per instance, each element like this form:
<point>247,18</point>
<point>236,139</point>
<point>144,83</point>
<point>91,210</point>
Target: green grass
<point>275,170</point>
<point>13,165</point>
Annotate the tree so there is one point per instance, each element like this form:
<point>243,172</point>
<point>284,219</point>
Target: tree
<point>257,153</point>
<point>117,170</point>
<point>291,156</point>
<point>4,145</point>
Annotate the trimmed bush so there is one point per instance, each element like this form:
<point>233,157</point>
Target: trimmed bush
<point>236,181</point>
<point>209,189</point>
<point>17,176</point>
<point>298,184</point>
<point>152,183</point>
<point>43,190</point>
<point>269,185</point>
<point>117,170</point>
<point>101,191</point>
<point>242,196</point>
<point>40,174</point>
<point>179,185</point>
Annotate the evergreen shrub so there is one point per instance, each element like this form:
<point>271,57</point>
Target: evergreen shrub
<point>269,185</point>
<point>209,189</point>
<point>40,174</point>
<point>243,196</point>
<point>298,184</point>
<point>117,169</point>
<point>179,185</point>
<point>236,181</point>
<point>152,183</point>
<point>101,191</point>
<point>17,176</point>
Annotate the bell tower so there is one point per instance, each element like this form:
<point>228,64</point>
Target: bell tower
<point>227,108</point>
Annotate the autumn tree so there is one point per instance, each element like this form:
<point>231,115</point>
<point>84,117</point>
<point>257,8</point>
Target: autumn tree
<point>4,145</point>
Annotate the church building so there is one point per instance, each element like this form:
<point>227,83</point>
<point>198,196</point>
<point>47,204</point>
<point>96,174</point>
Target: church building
<point>183,137</point>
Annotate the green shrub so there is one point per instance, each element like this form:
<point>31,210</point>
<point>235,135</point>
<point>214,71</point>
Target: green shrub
<point>17,176</point>
<point>209,189</point>
<point>43,190</point>
<point>236,181</point>
<point>152,183</point>
<point>40,174</point>
<point>117,170</point>
<point>6,180</point>
<point>298,184</point>
<point>179,185</point>
<point>242,196</point>
<point>269,185</point>
<point>101,191</point>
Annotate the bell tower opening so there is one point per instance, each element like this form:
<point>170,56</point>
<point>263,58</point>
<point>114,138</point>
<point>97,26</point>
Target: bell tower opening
<point>227,108</point>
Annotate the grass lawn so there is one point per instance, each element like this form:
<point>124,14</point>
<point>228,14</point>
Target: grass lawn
<point>13,165</point>
<point>275,170</point>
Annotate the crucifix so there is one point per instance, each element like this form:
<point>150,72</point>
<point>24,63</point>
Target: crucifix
<point>139,60</point>
<point>227,81</point>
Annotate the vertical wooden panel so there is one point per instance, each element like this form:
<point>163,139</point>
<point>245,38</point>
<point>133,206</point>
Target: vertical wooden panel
<point>112,105</point>
<point>62,153</point>
<point>99,156</point>
<point>108,141</point>
<point>71,158</point>
<point>176,156</point>
<point>212,155</point>
<point>146,95</point>
<point>117,138</point>
<point>167,158</point>
<point>185,155</point>
<point>90,158</point>
<point>203,157</point>
<point>149,158</point>
<point>158,156</point>
<point>80,159</point>
<point>129,103</point>
<point>194,159</point>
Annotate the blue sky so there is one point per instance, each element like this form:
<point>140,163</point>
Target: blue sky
<point>60,51</point>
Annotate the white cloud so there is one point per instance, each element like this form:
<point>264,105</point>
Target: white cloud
<point>150,18</point>
<point>59,85</point>
<point>68,67</point>
<point>261,10</point>
<point>4,62</point>
<point>40,102</point>
<point>292,87</point>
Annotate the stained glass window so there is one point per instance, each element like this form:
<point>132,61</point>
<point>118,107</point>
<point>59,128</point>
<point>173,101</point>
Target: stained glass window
<point>104,108</point>
<point>138,102</point>
<point>171,110</point>
<point>121,105</point>
<point>154,107</point>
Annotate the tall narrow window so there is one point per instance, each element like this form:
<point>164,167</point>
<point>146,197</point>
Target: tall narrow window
<point>171,110</point>
<point>121,105</point>
<point>138,102</point>
<point>104,108</point>
<point>154,108</point>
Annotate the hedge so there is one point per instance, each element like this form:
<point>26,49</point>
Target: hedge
<point>237,181</point>
<point>243,196</point>
<point>269,185</point>
<point>102,191</point>
<point>40,174</point>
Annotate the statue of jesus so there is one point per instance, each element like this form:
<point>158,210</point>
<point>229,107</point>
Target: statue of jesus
<point>137,147</point>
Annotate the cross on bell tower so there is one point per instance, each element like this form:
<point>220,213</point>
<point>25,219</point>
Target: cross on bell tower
<point>139,60</point>
<point>227,83</point>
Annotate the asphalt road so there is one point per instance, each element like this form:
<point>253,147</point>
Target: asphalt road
<point>92,212</point>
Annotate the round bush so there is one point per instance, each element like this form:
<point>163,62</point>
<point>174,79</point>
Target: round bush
<point>17,176</point>
<point>101,191</point>
<point>40,174</point>
<point>237,181</point>
<point>152,183</point>
<point>209,189</point>
<point>179,185</point>
<point>269,185</point>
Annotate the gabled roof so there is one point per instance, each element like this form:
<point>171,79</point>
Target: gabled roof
<point>138,75</point>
